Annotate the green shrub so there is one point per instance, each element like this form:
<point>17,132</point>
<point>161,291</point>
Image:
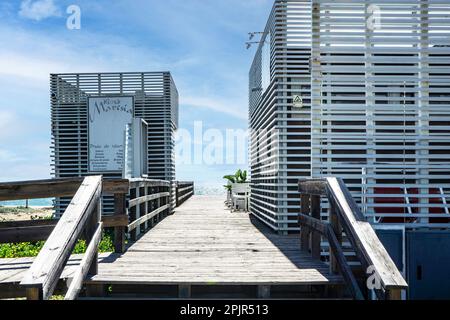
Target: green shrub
<point>29,249</point>
<point>20,250</point>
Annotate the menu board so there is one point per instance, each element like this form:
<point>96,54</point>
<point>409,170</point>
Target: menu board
<point>108,117</point>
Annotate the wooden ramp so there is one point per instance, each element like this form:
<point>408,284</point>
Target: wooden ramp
<point>205,248</point>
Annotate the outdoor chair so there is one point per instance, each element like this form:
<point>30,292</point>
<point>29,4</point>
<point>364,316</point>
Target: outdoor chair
<point>240,194</point>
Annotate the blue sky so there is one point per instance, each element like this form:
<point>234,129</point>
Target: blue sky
<point>200,41</point>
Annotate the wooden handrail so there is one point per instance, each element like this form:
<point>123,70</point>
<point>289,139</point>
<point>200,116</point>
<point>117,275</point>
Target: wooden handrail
<point>184,190</point>
<point>362,236</point>
<point>53,188</point>
<point>62,187</point>
<point>85,265</point>
<point>316,226</point>
<point>345,214</point>
<point>148,200</point>
<point>67,187</point>
<point>82,213</point>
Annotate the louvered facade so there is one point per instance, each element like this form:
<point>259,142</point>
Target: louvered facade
<point>156,101</point>
<point>374,77</point>
<point>280,133</point>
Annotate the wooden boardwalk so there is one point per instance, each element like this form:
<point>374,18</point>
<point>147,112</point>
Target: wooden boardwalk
<point>204,244</point>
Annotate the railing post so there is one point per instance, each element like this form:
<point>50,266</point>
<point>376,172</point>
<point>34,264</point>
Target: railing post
<point>157,204</point>
<point>177,195</point>
<point>138,212</point>
<point>34,294</point>
<point>305,231</point>
<point>334,222</point>
<point>119,232</point>
<point>315,236</point>
<point>91,228</point>
<point>133,216</point>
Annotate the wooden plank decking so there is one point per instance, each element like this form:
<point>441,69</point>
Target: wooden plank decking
<point>203,243</point>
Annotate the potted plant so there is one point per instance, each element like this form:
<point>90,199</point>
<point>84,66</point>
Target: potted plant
<point>239,177</point>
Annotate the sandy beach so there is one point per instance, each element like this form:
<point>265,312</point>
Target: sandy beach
<point>11,213</point>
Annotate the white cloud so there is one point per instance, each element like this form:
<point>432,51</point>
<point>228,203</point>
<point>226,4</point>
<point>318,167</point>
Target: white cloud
<point>6,118</point>
<point>39,10</point>
<point>9,125</point>
<point>31,55</point>
<point>9,157</point>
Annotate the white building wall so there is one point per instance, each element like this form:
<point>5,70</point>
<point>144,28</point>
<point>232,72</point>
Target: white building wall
<point>381,105</point>
<point>380,111</point>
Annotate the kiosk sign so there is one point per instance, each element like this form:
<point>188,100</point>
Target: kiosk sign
<point>108,117</point>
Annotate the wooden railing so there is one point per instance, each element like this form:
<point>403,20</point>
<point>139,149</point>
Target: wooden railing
<point>346,217</point>
<point>184,191</point>
<point>38,230</point>
<point>149,201</point>
<point>82,214</point>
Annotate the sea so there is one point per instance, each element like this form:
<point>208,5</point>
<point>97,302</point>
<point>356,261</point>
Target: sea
<point>31,203</point>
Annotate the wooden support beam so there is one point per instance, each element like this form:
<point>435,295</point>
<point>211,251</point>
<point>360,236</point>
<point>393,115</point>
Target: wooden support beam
<point>51,188</point>
<point>115,221</point>
<point>305,231</point>
<point>26,234</point>
<point>177,195</point>
<point>46,269</point>
<point>137,229</point>
<point>34,294</point>
<point>93,232</point>
<point>87,266</point>
<point>133,216</point>
<point>27,224</point>
<point>315,236</point>
<point>120,210</point>
<point>313,224</point>
<point>139,182</point>
<point>116,186</point>
<point>39,189</point>
<point>337,229</point>
<point>312,187</point>
<point>146,205</point>
<point>394,294</point>
<point>344,267</point>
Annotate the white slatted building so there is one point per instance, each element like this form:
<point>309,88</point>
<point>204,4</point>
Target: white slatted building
<point>156,101</point>
<point>280,133</point>
<point>376,108</point>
